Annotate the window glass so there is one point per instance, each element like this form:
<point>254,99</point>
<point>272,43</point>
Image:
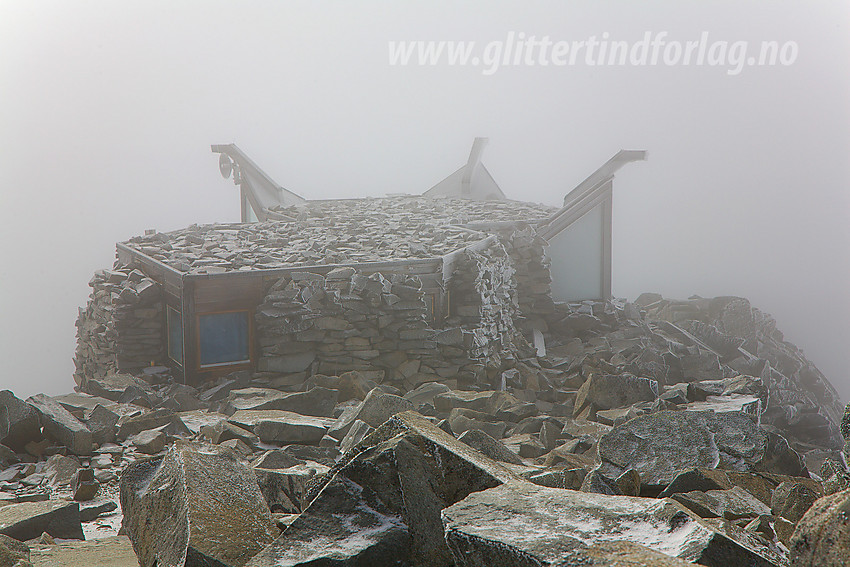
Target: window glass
<point>224,338</point>
<point>175,335</point>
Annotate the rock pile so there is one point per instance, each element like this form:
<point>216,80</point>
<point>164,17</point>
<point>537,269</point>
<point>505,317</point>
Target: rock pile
<point>121,327</point>
<point>654,433</point>
<point>334,232</point>
<point>385,328</point>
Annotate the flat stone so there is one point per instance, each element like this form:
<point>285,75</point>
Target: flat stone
<point>29,520</point>
<point>607,391</point>
<point>61,425</point>
<point>697,479</point>
<point>359,430</point>
<point>520,523</point>
<point>195,420</point>
<point>114,386</point>
<point>281,427</point>
<point>194,504</point>
<point>425,393</point>
<point>661,445</point>
<point>318,402</point>
<point>115,551</point>
<point>477,401</point>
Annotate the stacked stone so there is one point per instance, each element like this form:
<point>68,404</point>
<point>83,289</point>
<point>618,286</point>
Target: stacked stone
<point>345,321</point>
<point>484,299</point>
<point>121,328</point>
<point>533,278</point>
<point>701,339</point>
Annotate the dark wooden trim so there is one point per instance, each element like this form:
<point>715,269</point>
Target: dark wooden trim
<point>189,332</point>
<point>170,358</point>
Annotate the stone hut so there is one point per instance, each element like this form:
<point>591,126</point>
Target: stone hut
<point>451,285</point>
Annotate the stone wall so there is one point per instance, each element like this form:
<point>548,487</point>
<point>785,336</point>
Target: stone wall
<point>533,278</point>
<point>344,321</point>
<point>121,327</point>
<point>310,324</point>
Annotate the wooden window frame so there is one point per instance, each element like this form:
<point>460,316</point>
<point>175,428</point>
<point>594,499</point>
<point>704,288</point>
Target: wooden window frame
<point>178,316</point>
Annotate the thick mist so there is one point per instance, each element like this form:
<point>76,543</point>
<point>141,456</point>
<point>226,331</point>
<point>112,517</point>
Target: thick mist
<point>107,112</point>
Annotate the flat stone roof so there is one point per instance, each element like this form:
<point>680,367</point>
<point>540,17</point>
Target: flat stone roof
<point>345,231</point>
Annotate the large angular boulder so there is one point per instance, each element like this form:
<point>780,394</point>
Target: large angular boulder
<point>407,469</point>
<point>19,423</point>
<point>194,507</point>
<point>345,525</point>
<point>60,424</point>
<point>523,524</point>
<point>102,422</point>
<point>661,445</point>
<point>822,536</point>
<point>29,520</point>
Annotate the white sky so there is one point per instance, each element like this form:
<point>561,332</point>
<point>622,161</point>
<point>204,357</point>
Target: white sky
<point>107,111</point>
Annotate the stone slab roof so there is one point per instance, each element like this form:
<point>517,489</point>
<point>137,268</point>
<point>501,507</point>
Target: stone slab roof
<point>335,232</point>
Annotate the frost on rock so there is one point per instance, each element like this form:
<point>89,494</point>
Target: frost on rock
<point>521,523</point>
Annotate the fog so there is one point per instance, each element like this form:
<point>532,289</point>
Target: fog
<point>108,109</point>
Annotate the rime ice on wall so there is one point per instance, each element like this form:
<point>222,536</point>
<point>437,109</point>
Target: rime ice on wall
<point>349,321</point>
<point>121,328</point>
<point>533,278</point>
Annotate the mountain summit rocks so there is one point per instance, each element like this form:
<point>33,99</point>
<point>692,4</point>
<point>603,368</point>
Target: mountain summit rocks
<point>657,432</point>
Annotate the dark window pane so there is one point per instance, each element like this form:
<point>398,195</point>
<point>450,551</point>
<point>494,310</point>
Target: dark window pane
<point>224,338</point>
<point>175,335</point>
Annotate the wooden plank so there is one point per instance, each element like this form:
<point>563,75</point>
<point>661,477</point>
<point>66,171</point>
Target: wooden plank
<point>190,349</point>
<point>217,294</point>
